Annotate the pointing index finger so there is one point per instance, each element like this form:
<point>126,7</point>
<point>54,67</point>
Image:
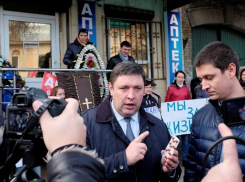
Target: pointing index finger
<point>141,137</point>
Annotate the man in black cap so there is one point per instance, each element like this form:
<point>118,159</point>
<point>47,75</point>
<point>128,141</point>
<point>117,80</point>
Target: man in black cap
<point>75,47</point>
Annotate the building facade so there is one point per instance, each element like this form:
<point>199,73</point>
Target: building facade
<point>36,35</point>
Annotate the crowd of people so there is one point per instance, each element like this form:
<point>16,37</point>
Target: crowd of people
<point>113,136</point>
<point>119,141</point>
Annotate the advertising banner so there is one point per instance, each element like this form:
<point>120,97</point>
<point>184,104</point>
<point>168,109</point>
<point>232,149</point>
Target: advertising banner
<point>173,44</point>
<point>87,19</point>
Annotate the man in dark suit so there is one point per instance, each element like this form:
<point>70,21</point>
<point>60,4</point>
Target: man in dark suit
<point>123,55</point>
<point>129,140</point>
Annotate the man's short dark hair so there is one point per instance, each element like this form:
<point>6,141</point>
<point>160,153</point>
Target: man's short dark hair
<point>83,30</point>
<point>125,43</point>
<point>126,68</point>
<point>219,55</point>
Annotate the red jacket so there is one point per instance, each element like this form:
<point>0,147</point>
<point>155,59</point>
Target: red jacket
<point>177,94</point>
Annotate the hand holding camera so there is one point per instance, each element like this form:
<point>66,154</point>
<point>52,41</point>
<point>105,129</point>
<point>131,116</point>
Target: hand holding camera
<point>60,125</point>
<point>67,128</point>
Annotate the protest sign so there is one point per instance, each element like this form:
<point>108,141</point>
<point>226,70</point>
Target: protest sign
<point>154,111</point>
<point>48,83</point>
<point>178,115</point>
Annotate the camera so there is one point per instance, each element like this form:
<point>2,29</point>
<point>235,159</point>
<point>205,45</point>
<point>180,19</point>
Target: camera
<point>19,111</point>
<point>233,111</point>
<point>23,134</point>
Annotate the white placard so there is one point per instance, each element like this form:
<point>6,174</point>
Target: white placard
<point>178,115</point>
<point>154,111</point>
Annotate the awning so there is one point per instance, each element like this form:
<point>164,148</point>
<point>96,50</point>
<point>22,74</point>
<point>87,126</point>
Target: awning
<point>50,5</point>
<point>128,12</point>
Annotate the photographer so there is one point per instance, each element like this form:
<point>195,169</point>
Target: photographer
<point>69,162</point>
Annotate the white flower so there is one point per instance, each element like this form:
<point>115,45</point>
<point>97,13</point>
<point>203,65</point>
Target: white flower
<point>1,60</point>
<point>1,64</point>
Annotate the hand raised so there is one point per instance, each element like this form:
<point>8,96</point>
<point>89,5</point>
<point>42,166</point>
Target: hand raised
<point>136,150</point>
<point>222,172</point>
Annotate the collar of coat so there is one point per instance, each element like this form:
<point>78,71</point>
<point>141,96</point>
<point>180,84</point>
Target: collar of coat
<point>215,104</point>
<point>104,112</point>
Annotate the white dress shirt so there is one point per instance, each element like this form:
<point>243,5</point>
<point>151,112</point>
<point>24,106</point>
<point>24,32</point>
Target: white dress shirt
<point>134,122</point>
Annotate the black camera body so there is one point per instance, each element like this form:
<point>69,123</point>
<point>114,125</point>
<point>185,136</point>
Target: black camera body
<point>23,133</point>
<point>233,111</point>
<point>19,111</point>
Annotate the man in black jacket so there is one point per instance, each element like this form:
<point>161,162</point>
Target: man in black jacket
<point>76,47</point>
<point>129,140</point>
<point>217,67</point>
<point>123,55</point>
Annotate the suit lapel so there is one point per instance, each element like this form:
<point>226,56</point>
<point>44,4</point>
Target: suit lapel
<point>118,130</point>
<point>144,126</point>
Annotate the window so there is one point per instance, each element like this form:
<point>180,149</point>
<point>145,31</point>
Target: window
<point>15,58</point>
<point>146,46</point>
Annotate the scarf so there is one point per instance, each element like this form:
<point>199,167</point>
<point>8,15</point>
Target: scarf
<point>83,44</point>
<point>123,58</point>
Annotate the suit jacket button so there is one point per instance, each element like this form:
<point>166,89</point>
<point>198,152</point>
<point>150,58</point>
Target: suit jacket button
<point>121,167</point>
<point>114,171</point>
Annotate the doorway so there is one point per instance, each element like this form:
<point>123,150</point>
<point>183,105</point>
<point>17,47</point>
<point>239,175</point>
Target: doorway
<point>36,40</point>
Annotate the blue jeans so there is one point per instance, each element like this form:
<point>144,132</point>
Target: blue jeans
<point>185,146</point>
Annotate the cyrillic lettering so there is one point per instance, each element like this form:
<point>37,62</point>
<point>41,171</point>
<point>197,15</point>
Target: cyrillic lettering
<point>86,9</point>
<point>175,67</point>
<point>175,55</point>
<point>175,40</point>
<point>185,125</point>
<point>190,112</point>
<point>90,22</point>
<point>172,28</point>
<point>173,20</point>
<point>169,105</point>
<point>182,106</point>
<point>176,127</point>
<point>169,129</point>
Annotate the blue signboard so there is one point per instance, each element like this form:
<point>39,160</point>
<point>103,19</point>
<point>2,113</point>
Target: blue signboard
<point>173,44</point>
<point>87,19</point>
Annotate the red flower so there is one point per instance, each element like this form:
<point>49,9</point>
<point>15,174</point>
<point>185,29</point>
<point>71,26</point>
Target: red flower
<point>92,64</point>
<point>90,59</point>
<point>98,77</point>
<point>100,85</point>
